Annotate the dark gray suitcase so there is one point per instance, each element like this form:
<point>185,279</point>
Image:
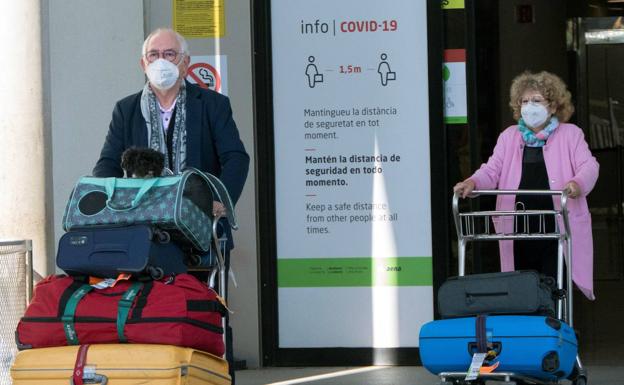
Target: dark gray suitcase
<point>514,292</point>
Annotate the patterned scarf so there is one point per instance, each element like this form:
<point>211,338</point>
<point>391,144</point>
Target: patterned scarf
<point>156,133</point>
<point>538,139</point>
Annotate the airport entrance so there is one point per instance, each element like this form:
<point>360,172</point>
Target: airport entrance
<point>583,43</point>
<point>598,44</point>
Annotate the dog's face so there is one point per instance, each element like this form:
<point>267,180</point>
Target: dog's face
<point>150,174</point>
<point>142,163</point>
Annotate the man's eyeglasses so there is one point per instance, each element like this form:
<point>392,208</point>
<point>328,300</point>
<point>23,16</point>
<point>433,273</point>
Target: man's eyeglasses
<point>168,54</point>
<point>534,100</point>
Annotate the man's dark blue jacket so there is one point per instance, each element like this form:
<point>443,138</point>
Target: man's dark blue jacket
<point>212,140</point>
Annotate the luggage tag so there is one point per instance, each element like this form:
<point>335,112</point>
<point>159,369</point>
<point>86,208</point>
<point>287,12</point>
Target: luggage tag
<point>475,366</point>
<point>491,355</point>
<point>484,338</point>
<point>103,283</point>
<point>222,300</point>
<point>489,369</point>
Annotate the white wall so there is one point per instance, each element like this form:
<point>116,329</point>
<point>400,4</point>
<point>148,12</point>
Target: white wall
<point>23,182</point>
<point>94,51</point>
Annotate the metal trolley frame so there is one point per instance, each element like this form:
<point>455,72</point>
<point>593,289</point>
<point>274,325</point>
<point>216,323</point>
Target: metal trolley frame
<point>474,226</point>
<point>215,267</point>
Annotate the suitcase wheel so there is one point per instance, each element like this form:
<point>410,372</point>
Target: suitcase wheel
<point>162,236</point>
<point>155,272</point>
<point>578,376</point>
<point>194,260</point>
<point>580,380</point>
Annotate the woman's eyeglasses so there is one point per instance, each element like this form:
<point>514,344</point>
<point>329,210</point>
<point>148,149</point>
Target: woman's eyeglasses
<point>533,100</point>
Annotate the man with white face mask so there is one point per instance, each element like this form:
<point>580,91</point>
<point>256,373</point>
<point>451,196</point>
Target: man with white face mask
<point>191,126</point>
<point>542,152</point>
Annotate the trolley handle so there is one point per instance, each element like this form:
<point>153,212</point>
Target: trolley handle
<point>475,193</point>
<point>563,194</point>
<point>517,192</point>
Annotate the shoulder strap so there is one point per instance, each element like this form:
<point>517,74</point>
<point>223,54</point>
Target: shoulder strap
<point>480,334</point>
<point>70,312</point>
<point>123,308</point>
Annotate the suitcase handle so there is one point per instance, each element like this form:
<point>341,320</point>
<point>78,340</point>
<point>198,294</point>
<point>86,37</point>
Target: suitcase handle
<point>471,296</point>
<point>495,346</point>
<point>97,379</point>
<point>111,247</point>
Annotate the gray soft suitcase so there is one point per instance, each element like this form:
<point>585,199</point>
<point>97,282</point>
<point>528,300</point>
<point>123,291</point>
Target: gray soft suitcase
<point>514,292</point>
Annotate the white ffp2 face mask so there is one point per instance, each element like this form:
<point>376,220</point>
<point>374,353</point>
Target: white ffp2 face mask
<point>162,74</point>
<point>534,114</point>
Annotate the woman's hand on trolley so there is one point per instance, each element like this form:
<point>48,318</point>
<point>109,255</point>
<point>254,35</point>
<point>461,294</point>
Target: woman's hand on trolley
<point>573,189</point>
<point>464,188</point>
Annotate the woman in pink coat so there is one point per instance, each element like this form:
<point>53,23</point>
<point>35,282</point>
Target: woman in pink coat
<point>541,152</point>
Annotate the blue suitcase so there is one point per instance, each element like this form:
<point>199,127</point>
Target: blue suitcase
<point>532,346</point>
<point>107,252</point>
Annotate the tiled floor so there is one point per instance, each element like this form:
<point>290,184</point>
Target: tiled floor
<point>381,375</point>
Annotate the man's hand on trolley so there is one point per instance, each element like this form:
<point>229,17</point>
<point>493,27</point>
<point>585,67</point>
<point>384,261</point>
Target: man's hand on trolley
<point>218,209</point>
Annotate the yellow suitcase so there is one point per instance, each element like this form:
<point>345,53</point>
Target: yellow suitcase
<point>121,364</point>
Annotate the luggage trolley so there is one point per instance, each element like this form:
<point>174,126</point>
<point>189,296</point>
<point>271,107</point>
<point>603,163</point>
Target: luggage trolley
<point>474,226</point>
<point>214,270</point>
<point>214,264</point>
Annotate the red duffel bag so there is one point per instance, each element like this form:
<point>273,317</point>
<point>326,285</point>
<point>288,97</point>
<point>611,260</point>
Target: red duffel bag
<point>178,310</point>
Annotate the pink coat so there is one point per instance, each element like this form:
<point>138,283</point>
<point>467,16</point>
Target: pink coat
<point>567,158</point>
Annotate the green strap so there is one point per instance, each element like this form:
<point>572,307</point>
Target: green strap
<point>123,308</point>
<point>110,185</point>
<point>147,185</point>
<point>70,312</point>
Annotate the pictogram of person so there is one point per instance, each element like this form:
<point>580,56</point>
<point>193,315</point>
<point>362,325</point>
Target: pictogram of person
<point>312,73</point>
<point>384,71</point>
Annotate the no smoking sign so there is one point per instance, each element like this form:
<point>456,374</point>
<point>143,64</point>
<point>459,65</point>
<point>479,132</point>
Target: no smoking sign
<point>209,72</point>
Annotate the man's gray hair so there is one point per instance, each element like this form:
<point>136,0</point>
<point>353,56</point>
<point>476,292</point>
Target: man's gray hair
<point>181,40</point>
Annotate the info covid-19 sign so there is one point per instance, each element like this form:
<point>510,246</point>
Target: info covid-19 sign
<point>351,123</point>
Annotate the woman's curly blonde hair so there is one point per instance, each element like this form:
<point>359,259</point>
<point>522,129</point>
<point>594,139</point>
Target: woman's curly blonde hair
<point>549,85</point>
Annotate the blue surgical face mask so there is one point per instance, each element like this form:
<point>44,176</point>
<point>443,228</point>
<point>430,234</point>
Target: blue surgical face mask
<point>534,114</point>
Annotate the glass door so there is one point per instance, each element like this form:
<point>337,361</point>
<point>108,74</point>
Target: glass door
<point>601,113</point>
